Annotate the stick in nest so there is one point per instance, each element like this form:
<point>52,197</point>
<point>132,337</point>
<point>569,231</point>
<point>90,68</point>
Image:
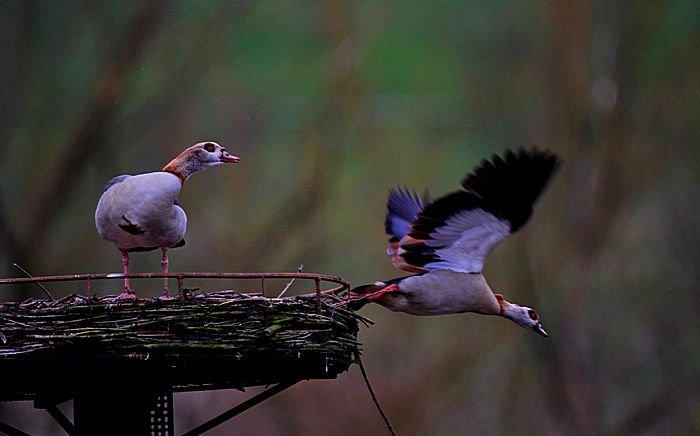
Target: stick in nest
<point>291,282</point>
<point>46,291</point>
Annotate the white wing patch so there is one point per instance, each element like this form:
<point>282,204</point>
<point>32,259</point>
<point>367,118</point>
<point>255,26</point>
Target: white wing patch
<point>466,238</point>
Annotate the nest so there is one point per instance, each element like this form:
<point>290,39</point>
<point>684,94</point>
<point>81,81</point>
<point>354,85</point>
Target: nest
<point>206,341</point>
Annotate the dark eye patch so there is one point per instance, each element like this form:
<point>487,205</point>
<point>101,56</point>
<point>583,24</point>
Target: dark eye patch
<point>533,315</point>
<point>209,147</point>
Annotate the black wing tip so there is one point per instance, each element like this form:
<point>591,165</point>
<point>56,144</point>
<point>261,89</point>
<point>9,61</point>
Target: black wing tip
<point>532,151</point>
<point>533,156</point>
<point>548,160</point>
<point>509,184</point>
<point>438,212</point>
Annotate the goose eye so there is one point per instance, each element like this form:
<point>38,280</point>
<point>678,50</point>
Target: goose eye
<point>533,315</point>
<point>209,147</point>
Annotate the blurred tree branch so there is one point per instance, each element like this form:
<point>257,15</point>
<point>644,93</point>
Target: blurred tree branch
<point>600,185</point>
<point>9,240</point>
<point>337,109</point>
<point>95,127</point>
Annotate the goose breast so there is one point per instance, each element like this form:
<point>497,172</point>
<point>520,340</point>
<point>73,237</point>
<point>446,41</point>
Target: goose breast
<point>140,212</point>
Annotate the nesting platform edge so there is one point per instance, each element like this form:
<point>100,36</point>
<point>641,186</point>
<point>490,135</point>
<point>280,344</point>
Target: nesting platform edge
<point>218,340</point>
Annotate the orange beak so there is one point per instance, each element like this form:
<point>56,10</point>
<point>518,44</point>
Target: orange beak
<point>228,158</point>
<point>539,330</point>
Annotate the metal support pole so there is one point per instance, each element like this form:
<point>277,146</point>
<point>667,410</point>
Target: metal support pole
<point>11,431</point>
<point>61,419</point>
<point>237,410</point>
<point>318,295</point>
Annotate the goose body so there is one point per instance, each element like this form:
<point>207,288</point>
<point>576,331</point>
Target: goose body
<point>141,213</point>
<point>447,241</point>
<point>453,293</point>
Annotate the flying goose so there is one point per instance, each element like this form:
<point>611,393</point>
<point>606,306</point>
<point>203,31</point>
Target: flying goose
<point>141,212</point>
<point>446,242</point>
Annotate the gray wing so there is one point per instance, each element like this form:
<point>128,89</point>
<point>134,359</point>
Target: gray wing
<point>114,181</point>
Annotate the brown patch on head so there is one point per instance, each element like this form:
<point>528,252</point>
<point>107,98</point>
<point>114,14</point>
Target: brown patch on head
<point>200,153</point>
<point>190,161</point>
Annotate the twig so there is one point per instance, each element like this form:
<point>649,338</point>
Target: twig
<point>46,291</point>
<point>147,326</point>
<point>2,318</point>
<point>289,285</point>
<point>374,397</point>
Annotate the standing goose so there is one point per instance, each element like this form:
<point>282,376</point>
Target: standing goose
<point>141,213</point>
<point>447,241</point>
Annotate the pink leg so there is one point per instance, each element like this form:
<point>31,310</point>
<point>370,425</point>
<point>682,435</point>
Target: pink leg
<point>128,292</point>
<point>378,294</point>
<point>164,266</point>
<point>360,300</point>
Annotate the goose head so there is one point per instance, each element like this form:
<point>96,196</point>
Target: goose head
<point>521,315</point>
<point>199,157</point>
<point>209,154</point>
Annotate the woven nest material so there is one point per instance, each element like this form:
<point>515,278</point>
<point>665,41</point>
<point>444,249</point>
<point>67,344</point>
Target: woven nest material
<point>210,340</point>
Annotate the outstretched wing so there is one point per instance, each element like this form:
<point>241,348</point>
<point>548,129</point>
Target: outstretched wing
<point>403,207</point>
<point>457,231</point>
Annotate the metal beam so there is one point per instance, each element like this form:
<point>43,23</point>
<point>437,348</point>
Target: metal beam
<point>237,410</point>
<point>11,431</point>
<point>61,419</point>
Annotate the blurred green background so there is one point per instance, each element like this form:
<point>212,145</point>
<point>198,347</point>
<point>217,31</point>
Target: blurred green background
<point>331,103</point>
